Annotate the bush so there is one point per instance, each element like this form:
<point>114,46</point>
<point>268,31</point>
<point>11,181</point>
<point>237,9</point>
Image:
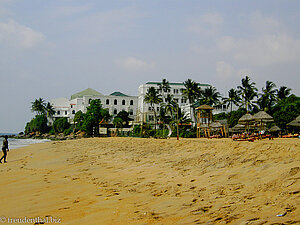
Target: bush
<point>61,124</point>
<point>37,124</point>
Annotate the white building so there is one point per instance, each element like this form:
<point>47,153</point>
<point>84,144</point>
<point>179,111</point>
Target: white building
<point>114,102</point>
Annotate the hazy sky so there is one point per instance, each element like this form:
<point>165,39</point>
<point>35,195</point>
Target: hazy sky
<point>56,48</point>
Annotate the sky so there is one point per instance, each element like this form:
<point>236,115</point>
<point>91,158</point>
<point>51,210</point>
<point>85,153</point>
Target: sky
<point>56,48</point>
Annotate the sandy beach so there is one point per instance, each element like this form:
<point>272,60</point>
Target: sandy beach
<point>152,181</point>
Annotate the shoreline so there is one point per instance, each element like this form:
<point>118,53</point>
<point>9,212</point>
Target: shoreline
<point>154,181</point>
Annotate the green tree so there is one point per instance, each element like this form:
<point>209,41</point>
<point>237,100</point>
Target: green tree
<point>248,92</point>
<point>286,110</point>
<point>191,92</point>
<point>37,124</point>
<point>124,115</point>
<point>283,92</point>
<point>78,119</point>
<point>210,96</point>
<point>164,87</point>
<point>152,97</point>
<point>233,98</point>
<point>95,113</point>
<point>118,122</point>
<point>49,110</point>
<point>61,124</point>
<point>268,97</point>
<point>38,106</point>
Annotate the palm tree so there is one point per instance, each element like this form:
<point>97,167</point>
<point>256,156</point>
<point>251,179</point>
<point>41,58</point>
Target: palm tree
<point>152,97</point>
<point>210,96</point>
<point>49,110</point>
<point>191,92</point>
<point>38,106</point>
<point>283,92</point>
<point>164,87</point>
<point>268,96</point>
<point>170,104</point>
<point>248,92</point>
<point>233,98</point>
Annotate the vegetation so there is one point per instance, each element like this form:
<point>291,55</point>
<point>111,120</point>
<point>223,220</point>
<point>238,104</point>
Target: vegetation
<point>279,103</point>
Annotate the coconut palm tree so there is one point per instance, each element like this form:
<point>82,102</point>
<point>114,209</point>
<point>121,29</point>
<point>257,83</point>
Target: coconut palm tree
<point>49,110</point>
<point>164,87</point>
<point>283,92</point>
<point>210,96</point>
<point>152,97</point>
<point>170,104</point>
<point>191,92</point>
<point>248,92</point>
<point>38,106</point>
<point>233,98</point>
<point>267,97</point>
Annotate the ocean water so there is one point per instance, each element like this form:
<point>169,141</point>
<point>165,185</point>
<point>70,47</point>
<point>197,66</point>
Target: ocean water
<point>18,143</point>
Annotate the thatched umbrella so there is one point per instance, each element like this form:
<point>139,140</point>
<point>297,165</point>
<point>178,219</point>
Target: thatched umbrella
<point>246,119</point>
<point>274,129</point>
<point>238,127</point>
<point>294,123</point>
<point>262,117</point>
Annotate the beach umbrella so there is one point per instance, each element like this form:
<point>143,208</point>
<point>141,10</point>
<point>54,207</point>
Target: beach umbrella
<point>294,123</point>
<point>246,119</point>
<point>238,127</point>
<point>274,129</point>
<point>262,117</point>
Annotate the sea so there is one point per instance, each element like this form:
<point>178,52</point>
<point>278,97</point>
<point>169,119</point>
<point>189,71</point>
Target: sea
<point>14,143</point>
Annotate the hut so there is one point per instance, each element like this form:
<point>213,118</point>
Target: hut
<point>204,119</point>
<point>275,130</point>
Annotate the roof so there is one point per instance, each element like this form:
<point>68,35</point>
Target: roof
<point>246,118</point>
<point>294,123</point>
<point>262,115</point>
<point>274,129</point>
<point>117,93</point>
<point>176,83</point>
<point>88,91</point>
<point>205,107</point>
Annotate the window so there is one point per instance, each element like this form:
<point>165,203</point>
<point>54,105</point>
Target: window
<point>183,100</point>
<point>107,101</point>
<point>115,111</point>
<point>66,112</point>
<point>131,102</point>
<point>71,106</point>
<point>73,112</point>
<point>175,91</point>
<point>116,102</point>
<point>151,118</point>
<point>131,112</point>
<point>157,108</point>
<point>58,112</point>
<point>123,102</point>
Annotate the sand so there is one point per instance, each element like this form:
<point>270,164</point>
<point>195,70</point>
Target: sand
<point>151,181</point>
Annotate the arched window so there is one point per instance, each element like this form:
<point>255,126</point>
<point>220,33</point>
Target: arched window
<point>73,112</point>
<point>107,101</point>
<point>116,102</point>
<point>123,102</point>
<point>115,111</point>
<point>131,102</point>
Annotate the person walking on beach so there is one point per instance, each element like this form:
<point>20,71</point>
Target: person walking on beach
<point>4,148</point>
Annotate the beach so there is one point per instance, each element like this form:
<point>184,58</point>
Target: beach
<point>153,181</point>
